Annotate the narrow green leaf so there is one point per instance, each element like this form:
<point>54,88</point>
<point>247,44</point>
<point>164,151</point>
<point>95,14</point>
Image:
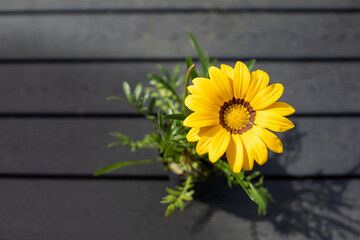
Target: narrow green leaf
<point>258,198</point>
<point>176,72</point>
<point>115,98</point>
<point>127,91</point>
<point>199,52</point>
<point>137,91</point>
<point>165,72</point>
<point>250,64</point>
<point>189,62</point>
<point>122,164</point>
<point>160,121</point>
<point>175,117</point>
<point>152,105</point>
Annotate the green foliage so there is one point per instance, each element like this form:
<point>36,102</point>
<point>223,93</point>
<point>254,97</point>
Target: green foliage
<point>159,100</point>
<point>122,164</point>
<point>250,64</point>
<point>177,196</point>
<point>256,191</point>
<point>203,58</point>
<point>149,141</point>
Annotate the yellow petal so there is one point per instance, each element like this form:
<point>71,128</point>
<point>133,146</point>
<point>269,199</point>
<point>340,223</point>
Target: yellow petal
<point>203,145</point>
<point>206,134</point>
<point>248,162</point>
<point>271,140</point>
<point>280,108</point>
<point>258,81</point>
<point>204,87</point>
<point>258,148</point>
<point>241,80</point>
<point>221,83</point>
<point>192,135</point>
<point>229,72</point>
<point>272,121</point>
<point>219,144</point>
<point>267,96</point>
<point>234,153</point>
<point>202,119</point>
<point>199,103</point>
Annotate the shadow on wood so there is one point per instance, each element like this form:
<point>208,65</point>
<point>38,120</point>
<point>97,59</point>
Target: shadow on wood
<point>315,209</point>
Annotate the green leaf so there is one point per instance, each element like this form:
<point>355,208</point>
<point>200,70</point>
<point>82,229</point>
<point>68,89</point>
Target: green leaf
<point>258,198</point>
<point>164,84</point>
<point>177,197</point>
<point>176,72</point>
<point>152,105</point>
<point>201,55</point>
<point>250,64</point>
<point>160,121</point>
<point>122,164</point>
<point>165,72</point>
<point>127,91</point>
<point>115,98</point>
<point>137,91</point>
<point>175,117</point>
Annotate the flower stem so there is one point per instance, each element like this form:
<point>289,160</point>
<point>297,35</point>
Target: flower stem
<point>187,79</point>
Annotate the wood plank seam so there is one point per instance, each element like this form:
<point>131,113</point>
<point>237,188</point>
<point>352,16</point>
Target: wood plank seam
<point>107,11</point>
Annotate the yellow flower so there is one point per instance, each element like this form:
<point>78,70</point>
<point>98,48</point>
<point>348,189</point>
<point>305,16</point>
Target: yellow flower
<point>232,111</point>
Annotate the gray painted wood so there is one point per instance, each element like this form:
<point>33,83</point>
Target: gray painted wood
<point>71,146</point>
<point>164,35</point>
<point>143,4</point>
<point>317,146</point>
<point>311,87</point>
<point>48,209</point>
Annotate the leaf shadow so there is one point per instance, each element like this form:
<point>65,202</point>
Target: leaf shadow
<point>315,209</point>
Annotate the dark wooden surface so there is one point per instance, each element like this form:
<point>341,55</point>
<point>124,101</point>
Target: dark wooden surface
<point>59,60</point>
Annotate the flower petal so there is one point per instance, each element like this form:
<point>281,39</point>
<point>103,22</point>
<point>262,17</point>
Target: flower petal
<point>280,108</point>
<point>267,96</point>
<point>271,140</point>
<point>203,145</point>
<point>202,119</point>
<point>234,153</point>
<point>241,80</point>
<point>206,134</point>
<point>200,103</point>
<point>258,81</point>
<point>222,83</point>
<point>258,148</point>
<point>219,144</point>
<point>229,72</point>
<point>272,121</point>
<point>204,87</point>
<point>192,135</point>
<point>248,162</point>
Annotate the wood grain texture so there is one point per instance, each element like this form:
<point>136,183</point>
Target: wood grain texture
<point>47,209</point>
<point>164,35</point>
<point>317,146</point>
<point>311,87</point>
<point>185,4</point>
<point>71,146</point>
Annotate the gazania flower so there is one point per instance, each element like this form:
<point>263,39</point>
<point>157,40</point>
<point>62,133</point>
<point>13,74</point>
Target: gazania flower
<point>232,112</point>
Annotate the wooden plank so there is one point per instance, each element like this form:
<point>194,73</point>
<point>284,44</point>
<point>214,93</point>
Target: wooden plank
<point>164,35</point>
<point>48,209</point>
<point>71,146</point>
<point>185,4</point>
<point>83,88</point>
<point>317,146</point>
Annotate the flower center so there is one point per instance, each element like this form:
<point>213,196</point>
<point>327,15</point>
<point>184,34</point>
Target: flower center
<point>236,116</point>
